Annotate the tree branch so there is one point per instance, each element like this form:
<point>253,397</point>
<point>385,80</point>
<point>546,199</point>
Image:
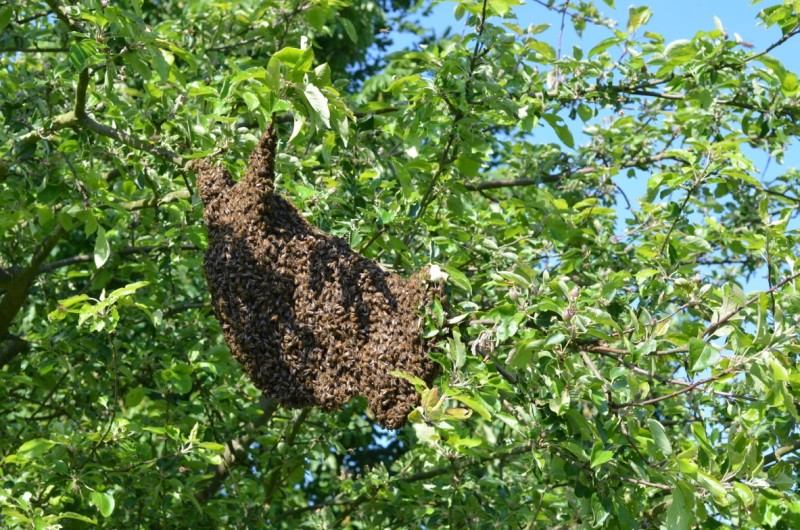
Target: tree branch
<point>10,347</point>
<point>80,118</point>
<point>274,478</point>
<point>677,393</point>
<point>776,455</point>
<point>33,50</point>
<point>62,16</point>
<point>7,277</point>
<point>453,467</point>
<point>610,353</point>
<point>555,177</point>
<point>719,323</point>
<point>17,292</point>
<point>127,251</point>
<point>235,449</point>
<point>774,45</point>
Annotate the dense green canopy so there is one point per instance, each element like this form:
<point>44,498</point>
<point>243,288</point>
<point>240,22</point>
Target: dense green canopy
<point>605,359</point>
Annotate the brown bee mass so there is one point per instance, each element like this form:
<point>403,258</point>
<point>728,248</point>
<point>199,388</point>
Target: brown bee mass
<point>312,322</point>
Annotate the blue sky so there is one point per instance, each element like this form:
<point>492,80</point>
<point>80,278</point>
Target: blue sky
<point>674,19</point>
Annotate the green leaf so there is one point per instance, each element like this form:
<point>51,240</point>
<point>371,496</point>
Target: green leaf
<point>457,414</point>
<point>475,404</point>
<point>76,516</point>
<point>104,502</point>
<point>680,52</point>
<point>559,402</point>
<point>562,131</point>
<point>5,17</point>
<point>349,28</point>
<point>468,165</point>
<point>127,290</point>
<point>36,447</point>
<point>458,352</point>
<point>522,354</point>
<point>502,7</point>
<point>458,278</point>
<point>102,251</point>
<point>694,244</point>
<point>295,58</point>
<point>743,493</point>
<point>134,397</point>
<point>605,44</point>
<point>426,433</point>
<point>679,513</point>
<point>319,103</point>
<point>714,487</point>
<point>660,436</point>
<point>637,17</point>
<point>515,279</point>
<point>599,455</point>
<point>273,78</point>
<point>212,446</point>
<point>702,355</point>
<point>251,100</point>
<point>84,53</point>
<point>418,383</point>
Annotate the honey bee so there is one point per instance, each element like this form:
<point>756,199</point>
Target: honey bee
<point>311,321</point>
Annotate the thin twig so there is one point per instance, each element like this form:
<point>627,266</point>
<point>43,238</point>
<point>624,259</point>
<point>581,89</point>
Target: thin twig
<point>613,354</point>
<point>561,31</point>
<point>554,177</point>
<point>34,50</point>
<point>126,251</point>
<point>774,45</point>
<point>677,393</point>
<point>689,194</point>
<point>641,482</point>
<point>275,475</point>
<point>719,323</point>
<point>453,466</point>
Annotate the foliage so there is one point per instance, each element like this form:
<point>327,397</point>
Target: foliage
<point>603,365</point>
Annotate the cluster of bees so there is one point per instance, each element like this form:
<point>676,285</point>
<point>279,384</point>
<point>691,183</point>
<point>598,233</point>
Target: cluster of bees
<point>312,322</point>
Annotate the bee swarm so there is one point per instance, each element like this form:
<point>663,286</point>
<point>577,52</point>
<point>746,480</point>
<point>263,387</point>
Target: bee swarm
<point>312,322</point>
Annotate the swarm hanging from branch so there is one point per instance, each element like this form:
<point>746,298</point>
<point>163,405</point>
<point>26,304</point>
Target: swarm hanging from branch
<point>312,322</point>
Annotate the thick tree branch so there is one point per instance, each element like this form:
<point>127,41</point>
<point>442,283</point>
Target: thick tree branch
<point>17,292</point>
<point>10,347</point>
<point>79,118</point>
<point>55,7</point>
<point>131,141</point>
<point>776,455</point>
<point>236,449</point>
<point>122,137</point>
<point>7,277</point>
